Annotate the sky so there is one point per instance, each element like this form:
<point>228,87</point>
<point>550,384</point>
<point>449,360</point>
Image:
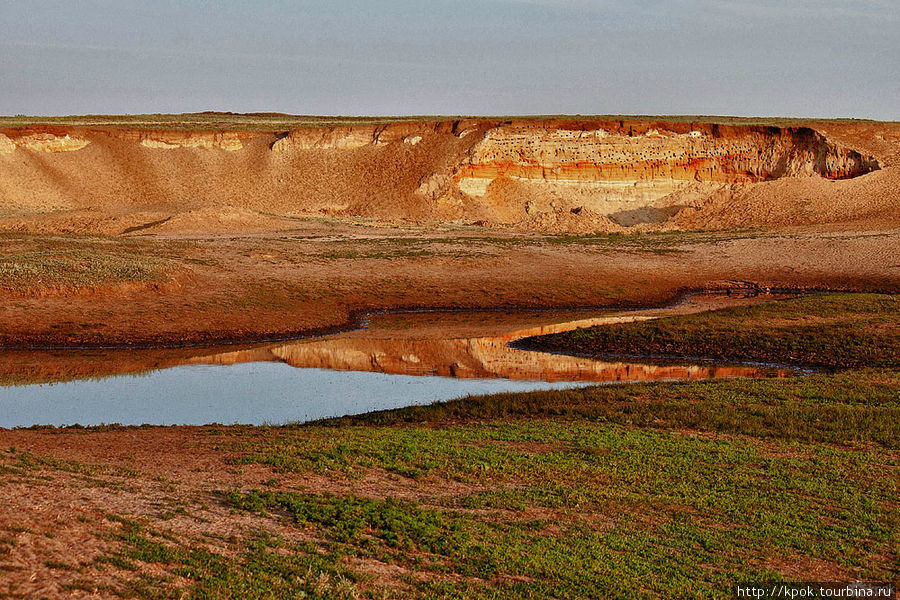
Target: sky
<point>800,58</point>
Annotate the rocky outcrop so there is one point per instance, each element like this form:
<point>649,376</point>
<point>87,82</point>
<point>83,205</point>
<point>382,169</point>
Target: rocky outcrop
<point>7,146</point>
<point>352,137</point>
<point>644,153</point>
<point>623,170</point>
<point>168,140</point>
<point>42,142</point>
<point>338,138</point>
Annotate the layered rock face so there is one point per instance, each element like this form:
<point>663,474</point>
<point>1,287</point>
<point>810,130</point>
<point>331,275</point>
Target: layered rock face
<point>41,142</point>
<point>169,140</point>
<point>578,176</point>
<point>642,172</point>
<point>704,154</point>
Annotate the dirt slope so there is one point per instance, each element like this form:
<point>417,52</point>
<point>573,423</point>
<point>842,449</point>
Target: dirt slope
<point>554,176</point>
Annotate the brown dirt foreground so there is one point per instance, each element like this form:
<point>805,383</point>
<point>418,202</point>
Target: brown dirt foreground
<point>58,290</point>
<point>60,517</point>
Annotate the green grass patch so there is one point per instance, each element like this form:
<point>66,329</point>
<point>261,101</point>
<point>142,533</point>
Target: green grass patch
<point>574,510</point>
<point>851,406</point>
<point>832,331</point>
<point>614,512</point>
<point>257,568</point>
<point>394,523</point>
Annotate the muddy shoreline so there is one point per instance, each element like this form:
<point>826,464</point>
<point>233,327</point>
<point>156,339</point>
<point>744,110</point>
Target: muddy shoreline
<point>447,355</point>
<point>358,318</point>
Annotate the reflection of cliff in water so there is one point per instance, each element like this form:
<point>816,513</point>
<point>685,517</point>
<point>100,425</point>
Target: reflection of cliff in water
<point>468,344</point>
<point>476,358</point>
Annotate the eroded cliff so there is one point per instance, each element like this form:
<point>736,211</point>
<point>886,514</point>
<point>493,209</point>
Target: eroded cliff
<point>559,175</point>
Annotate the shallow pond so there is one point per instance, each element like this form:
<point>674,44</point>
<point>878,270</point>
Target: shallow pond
<point>396,360</point>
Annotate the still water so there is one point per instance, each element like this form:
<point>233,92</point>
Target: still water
<point>249,393</point>
<point>396,360</point>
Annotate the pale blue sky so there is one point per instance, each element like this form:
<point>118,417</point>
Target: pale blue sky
<point>825,58</point>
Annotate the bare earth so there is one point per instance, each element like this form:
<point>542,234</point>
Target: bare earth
<point>172,230</point>
<point>257,286</point>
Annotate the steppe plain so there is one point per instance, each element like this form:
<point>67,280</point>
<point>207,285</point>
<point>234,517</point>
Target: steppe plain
<point>162,232</point>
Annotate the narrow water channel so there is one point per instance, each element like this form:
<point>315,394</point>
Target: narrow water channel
<point>396,360</point>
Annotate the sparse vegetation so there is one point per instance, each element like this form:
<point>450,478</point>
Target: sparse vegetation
<point>78,268</point>
<point>39,263</point>
<point>539,508</point>
<point>859,406</point>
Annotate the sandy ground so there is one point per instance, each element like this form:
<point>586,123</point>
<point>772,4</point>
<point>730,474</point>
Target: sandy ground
<point>227,288</point>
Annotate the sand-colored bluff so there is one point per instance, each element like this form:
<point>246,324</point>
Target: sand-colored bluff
<point>554,175</point>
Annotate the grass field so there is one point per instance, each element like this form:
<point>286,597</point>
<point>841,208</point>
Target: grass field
<point>675,490</point>
<point>77,268</point>
<point>32,264</point>
<point>548,508</point>
<point>826,331</point>
<point>671,490</point>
